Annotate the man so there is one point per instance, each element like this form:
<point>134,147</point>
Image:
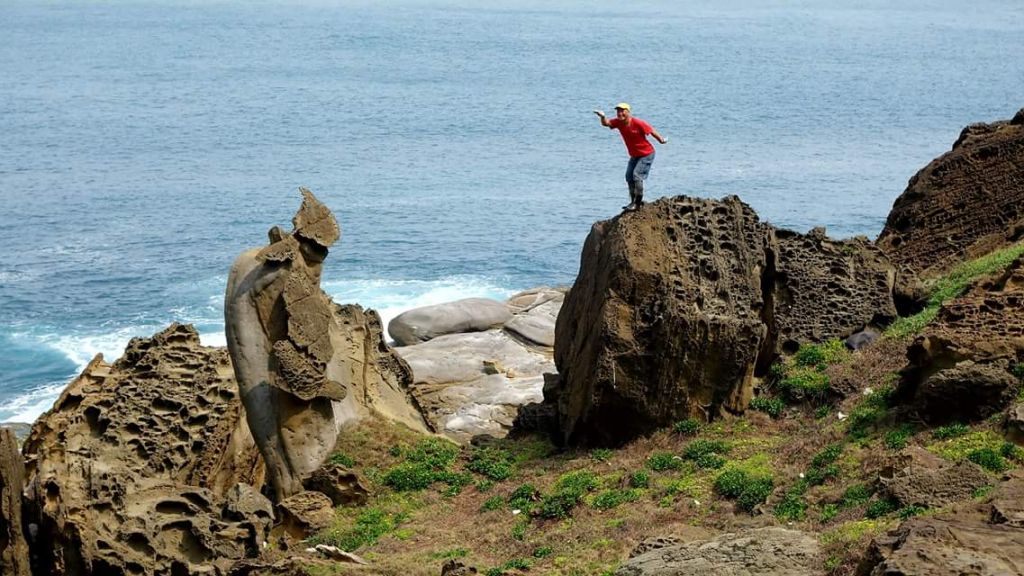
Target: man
<point>634,133</point>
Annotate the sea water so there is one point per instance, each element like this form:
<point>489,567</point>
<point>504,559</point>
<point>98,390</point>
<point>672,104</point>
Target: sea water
<point>144,145</point>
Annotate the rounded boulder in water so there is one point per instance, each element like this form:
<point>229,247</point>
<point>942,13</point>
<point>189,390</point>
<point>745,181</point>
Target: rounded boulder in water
<point>467,315</point>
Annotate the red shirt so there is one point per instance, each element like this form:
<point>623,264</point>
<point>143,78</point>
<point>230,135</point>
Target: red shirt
<point>634,135</point>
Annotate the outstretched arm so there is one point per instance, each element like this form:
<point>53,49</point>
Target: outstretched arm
<point>604,119</point>
<point>658,137</point>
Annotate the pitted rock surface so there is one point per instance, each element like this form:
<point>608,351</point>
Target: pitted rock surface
<point>677,305</point>
<point>825,287</point>
<point>960,367</point>
<point>14,560</point>
<point>338,483</point>
<point>762,552</point>
<point>963,204</point>
<point>933,484</point>
<point>973,538</point>
<point>303,514</point>
<point>129,472</point>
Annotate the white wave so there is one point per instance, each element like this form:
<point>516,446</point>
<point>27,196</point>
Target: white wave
<point>218,339</point>
<point>27,407</point>
<point>82,348</point>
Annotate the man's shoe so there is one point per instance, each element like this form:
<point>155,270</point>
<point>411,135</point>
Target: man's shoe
<point>631,207</point>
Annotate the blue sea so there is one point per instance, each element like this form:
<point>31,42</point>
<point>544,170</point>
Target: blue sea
<point>144,145</point>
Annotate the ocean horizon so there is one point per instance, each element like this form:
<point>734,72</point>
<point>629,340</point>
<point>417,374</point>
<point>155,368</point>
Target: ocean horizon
<point>148,143</point>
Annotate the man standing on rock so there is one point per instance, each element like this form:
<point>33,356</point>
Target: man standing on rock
<point>634,133</point>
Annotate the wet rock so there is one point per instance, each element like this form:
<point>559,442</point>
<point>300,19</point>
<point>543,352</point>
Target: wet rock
<point>14,557</point>
<point>763,552</point>
<point>963,204</point>
<point>467,315</point>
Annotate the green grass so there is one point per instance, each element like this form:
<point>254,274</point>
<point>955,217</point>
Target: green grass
<point>661,461</point>
<point>688,427</point>
<point>493,463</point>
<point>749,482</point>
<point>612,498</point>
<point>428,461</point>
<point>897,439</point>
<point>369,526</point>
<point>952,285</point>
<point>568,491</point>
<point>639,479</point>
<point>879,508</point>
<point>770,406</point>
<point>821,355</point>
<point>954,430</point>
<point>342,460</point>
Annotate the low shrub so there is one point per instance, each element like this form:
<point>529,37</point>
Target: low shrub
<point>749,483</point>
<point>879,508</point>
<point>601,454</point>
<point>493,503</point>
<point>821,355</point>
<point>639,479</point>
<point>342,459</point>
<point>770,406</point>
<point>493,463</point>
<point>897,439</point>
<point>954,430</point>
<point>702,447</point>
<point>989,459</point>
<point>612,498</point>
<point>661,461</point>
<point>793,506</point>
<point>523,497</point>
<point>804,383</point>
<point>856,495</point>
<point>688,427</point>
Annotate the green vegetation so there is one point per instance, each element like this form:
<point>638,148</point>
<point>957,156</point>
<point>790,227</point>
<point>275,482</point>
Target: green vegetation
<point>954,430</point>
<point>493,463</point>
<point>989,459</point>
<point>492,503</point>
<point>520,564</point>
<point>793,507</point>
<point>601,454</point>
<point>951,286</point>
<point>749,482</point>
<point>453,553</point>
<point>688,427</point>
<point>879,508</point>
<point>661,461</point>
<point>429,461</point>
<point>370,525</point>
<point>568,491</point>
<point>524,497</point>
<point>770,406</point>
<point>611,498</point>
<point>897,439</point>
<point>802,376</point>
<point>639,479</point>
<point>909,511</point>
<point>341,459</point>
<point>856,495</point>
<point>872,408</point>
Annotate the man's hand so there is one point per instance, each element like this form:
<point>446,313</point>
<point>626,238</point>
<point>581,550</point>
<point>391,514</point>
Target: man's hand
<point>600,113</point>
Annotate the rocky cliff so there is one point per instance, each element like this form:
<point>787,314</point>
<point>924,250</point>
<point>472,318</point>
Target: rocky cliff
<point>963,204</point>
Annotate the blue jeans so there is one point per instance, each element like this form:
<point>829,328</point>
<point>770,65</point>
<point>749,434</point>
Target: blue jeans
<point>638,168</point>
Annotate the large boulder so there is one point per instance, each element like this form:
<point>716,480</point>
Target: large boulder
<point>961,367</point>
<point>916,477</point>
<point>963,204</point>
<point>762,552</point>
<point>474,383</point>
<point>14,560</point>
<point>677,305</point>
<point>130,470</point>
<point>535,314</point>
<point>467,315</point>
<point>973,538</point>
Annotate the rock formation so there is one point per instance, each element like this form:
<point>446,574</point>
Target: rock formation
<point>13,547</point>
<point>761,552</point>
<point>960,367</point>
<point>134,469</point>
<point>474,383</point>
<point>678,304</point>
<point>973,538</point>
<point>300,361</point>
<point>963,204</point>
<point>467,315</point>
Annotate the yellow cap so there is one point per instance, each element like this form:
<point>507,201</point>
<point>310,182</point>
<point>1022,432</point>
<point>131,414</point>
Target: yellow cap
<point>623,106</point>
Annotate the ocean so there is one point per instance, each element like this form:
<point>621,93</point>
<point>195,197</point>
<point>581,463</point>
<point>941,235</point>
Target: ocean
<point>144,145</point>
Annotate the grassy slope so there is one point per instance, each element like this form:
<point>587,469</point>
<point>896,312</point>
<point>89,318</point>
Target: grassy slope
<point>590,508</point>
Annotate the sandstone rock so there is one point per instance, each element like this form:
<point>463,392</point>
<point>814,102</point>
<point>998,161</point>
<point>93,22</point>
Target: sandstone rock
<point>762,552</point>
<point>338,555</point>
<point>459,396</point>
<point>339,484</point>
<point>1015,423</point>
<point>129,472</point>
<point>305,367</point>
<point>14,558</point>
<point>959,368</point>
<point>928,481</point>
<point>964,204</point>
<point>678,304</point>
<point>303,514</point>
<point>536,323</point>
<point>453,567</point>
<point>655,543</point>
<point>467,315</point>
<point>974,538</point>
<point>529,299</point>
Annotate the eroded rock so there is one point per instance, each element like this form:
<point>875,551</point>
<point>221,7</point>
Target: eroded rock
<point>338,483</point>
<point>962,205</point>
<point>14,558</point>
<point>678,305</point>
<point>923,479</point>
<point>974,538</point>
<point>305,367</point>
<point>131,470</point>
<point>960,368</point>
<point>762,552</point>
